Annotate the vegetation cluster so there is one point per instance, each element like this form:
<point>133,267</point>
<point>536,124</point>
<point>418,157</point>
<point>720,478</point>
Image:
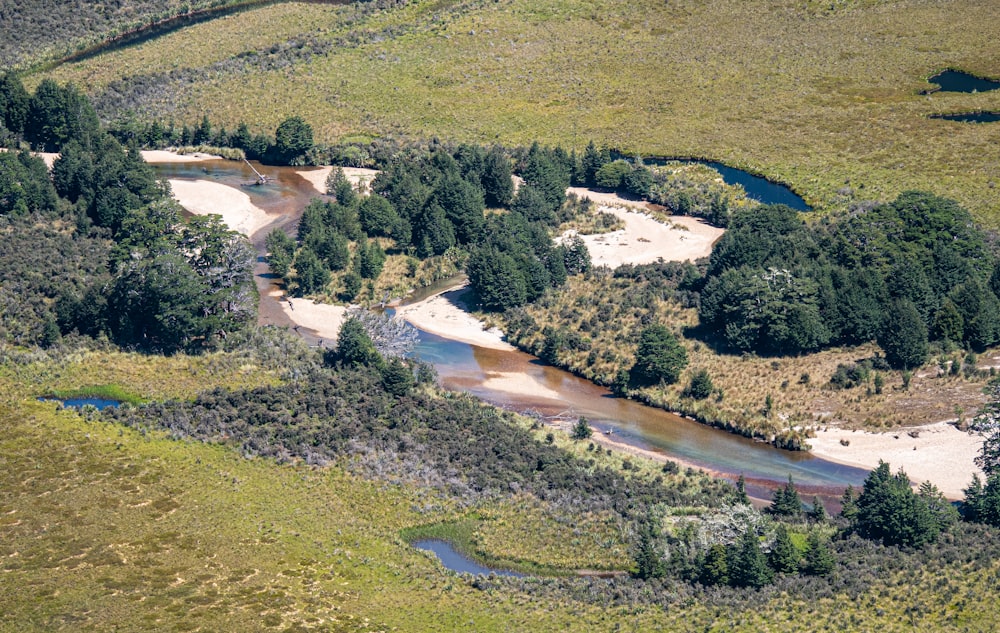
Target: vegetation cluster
<point>901,273</point>
<point>99,248</point>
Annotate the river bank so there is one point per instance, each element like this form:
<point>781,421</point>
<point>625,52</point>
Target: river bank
<point>448,314</point>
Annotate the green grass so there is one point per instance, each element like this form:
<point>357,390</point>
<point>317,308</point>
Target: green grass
<point>105,392</point>
<point>103,526</point>
<point>823,100</point>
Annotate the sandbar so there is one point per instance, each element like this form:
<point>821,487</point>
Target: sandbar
<point>357,175</point>
<point>445,314</point>
<point>168,156</point>
<point>204,197</point>
<point>322,318</point>
<point>644,240</point>
<point>940,453</point>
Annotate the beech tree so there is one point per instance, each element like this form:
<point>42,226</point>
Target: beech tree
<point>292,139</point>
<point>660,357</point>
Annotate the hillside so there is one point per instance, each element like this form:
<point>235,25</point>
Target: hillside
<point>825,97</point>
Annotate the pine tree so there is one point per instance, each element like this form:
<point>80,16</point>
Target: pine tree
<point>748,567</point>
<point>819,559</point>
<point>715,568</point>
<point>784,557</point>
<point>786,501</point>
<point>849,504</point>
<point>741,491</point>
<point>818,512</point>
<point>582,429</point>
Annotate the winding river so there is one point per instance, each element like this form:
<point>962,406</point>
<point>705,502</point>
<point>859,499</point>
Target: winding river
<point>469,368</point>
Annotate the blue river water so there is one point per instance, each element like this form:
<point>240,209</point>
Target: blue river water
<point>465,367</point>
<point>457,562</point>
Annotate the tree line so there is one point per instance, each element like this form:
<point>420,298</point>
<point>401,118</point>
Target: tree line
<point>122,262</point>
<point>904,273</point>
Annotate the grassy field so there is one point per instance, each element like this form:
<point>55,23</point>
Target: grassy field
<point>103,527</point>
<point>819,98</point>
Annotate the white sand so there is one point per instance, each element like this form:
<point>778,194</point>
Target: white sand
<point>167,156</point>
<point>203,197</point>
<point>356,175</point>
<point>514,382</point>
<point>940,454</point>
<point>443,314</point>
<point>645,239</point>
<point>322,318</point>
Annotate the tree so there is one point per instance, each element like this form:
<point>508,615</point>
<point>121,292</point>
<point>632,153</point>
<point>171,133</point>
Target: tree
<point>576,257</point>
<point>982,504</point>
<point>903,336</point>
<point>582,430</point>
<point>649,563</point>
<point>14,103</point>
<point>497,279</point>
<point>370,259</point>
<point>397,377</point>
<point>784,556</point>
<point>786,501</point>
<point>354,346</point>
<point>817,513</point>
<point>849,504</point>
<point>311,275</point>
<point>715,568</point>
<point>748,565</point>
<point>819,560</point>
<point>889,511</point>
<point>498,187</point>
<point>700,386</point>
<point>611,175</point>
<point>292,139</point>
<point>660,357</point>
<point>987,424</point>
<point>280,252</point>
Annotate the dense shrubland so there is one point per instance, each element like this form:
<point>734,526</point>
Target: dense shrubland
<point>99,248</point>
<point>902,273</point>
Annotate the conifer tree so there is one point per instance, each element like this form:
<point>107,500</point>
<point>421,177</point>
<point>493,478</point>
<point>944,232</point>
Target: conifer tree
<point>819,559</point>
<point>784,557</point>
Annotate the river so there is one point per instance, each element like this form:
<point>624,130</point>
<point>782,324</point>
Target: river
<point>467,367</point>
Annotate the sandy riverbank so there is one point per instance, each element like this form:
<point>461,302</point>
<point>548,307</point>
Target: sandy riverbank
<point>445,314</point>
<point>645,239</point>
<point>167,156</point>
<point>940,453</point>
<point>322,318</point>
<point>203,197</point>
<point>357,175</point>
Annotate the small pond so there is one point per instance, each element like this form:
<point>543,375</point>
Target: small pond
<point>79,403</point>
<point>456,562</point>
<point>958,81</point>
<point>970,117</point>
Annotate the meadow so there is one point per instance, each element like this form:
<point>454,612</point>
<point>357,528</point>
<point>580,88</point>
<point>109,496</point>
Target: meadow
<point>105,525</point>
<point>822,96</point>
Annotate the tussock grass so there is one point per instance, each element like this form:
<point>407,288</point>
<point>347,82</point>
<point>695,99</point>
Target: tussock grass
<point>608,315</point>
<point>823,96</point>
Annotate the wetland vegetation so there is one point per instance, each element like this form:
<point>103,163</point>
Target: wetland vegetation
<point>251,481</point>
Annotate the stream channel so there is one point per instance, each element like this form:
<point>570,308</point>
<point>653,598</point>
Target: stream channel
<point>465,367</point>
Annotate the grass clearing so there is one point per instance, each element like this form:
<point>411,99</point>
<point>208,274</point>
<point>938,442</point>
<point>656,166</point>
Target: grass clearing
<point>820,99</point>
<point>103,526</point>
